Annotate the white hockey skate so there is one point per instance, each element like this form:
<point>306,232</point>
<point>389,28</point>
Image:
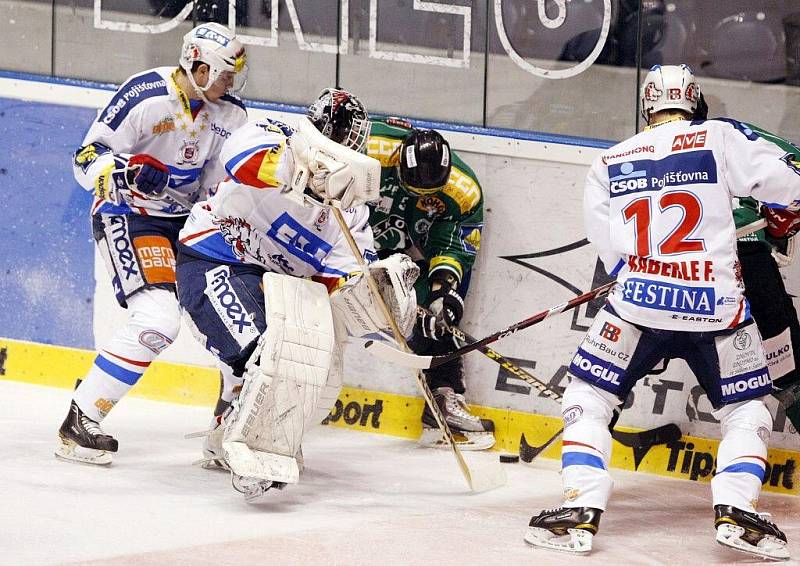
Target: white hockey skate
<point>213,456</point>
<point>253,489</point>
<point>749,532</point>
<point>470,431</point>
<point>568,530</point>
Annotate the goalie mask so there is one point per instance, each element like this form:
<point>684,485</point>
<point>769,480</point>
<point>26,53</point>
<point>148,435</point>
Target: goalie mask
<point>216,46</point>
<point>341,117</point>
<point>669,87</point>
<point>424,161</point>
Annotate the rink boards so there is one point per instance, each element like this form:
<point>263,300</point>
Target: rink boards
<point>533,255</point>
<point>689,458</point>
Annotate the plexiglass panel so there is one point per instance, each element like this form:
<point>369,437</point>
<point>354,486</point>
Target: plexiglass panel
<point>568,67</point>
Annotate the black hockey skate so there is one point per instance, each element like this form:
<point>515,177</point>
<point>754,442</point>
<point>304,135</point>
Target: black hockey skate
<point>470,431</point>
<point>568,529</point>
<point>82,440</point>
<point>749,532</point>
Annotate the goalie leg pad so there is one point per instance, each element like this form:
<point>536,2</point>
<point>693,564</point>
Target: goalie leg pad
<point>284,381</point>
<point>355,306</point>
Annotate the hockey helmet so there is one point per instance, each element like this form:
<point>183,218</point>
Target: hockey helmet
<point>669,87</point>
<point>424,161</point>
<point>216,46</point>
<point>341,117</point>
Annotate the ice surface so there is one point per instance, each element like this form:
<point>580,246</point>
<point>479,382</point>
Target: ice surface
<point>363,499</point>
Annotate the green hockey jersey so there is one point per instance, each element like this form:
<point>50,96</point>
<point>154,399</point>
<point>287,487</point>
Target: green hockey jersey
<point>444,227</point>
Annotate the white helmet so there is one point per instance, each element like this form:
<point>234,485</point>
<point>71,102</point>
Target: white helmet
<point>216,46</point>
<point>669,86</point>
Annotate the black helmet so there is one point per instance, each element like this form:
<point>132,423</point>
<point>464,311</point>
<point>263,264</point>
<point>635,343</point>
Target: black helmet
<point>341,117</point>
<point>424,161</point>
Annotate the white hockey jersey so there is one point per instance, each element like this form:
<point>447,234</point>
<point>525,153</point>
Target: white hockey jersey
<point>658,208</point>
<point>249,220</point>
<point>150,114</point>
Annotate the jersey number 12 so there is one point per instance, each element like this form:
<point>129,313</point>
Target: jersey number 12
<point>677,242</point>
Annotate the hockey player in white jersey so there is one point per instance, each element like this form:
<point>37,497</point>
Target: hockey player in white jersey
<point>658,208</point>
<point>150,154</point>
<point>256,264</point>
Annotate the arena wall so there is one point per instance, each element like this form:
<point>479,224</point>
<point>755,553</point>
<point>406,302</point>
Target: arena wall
<point>58,305</point>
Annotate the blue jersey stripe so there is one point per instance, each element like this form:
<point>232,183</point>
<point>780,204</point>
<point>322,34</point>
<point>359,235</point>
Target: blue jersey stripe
<point>215,247</point>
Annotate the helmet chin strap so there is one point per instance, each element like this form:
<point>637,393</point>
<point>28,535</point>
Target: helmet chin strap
<point>198,89</point>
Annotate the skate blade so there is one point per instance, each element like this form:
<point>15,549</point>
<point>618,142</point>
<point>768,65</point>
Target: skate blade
<point>210,463</point>
<point>466,441</point>
<point>769,548</point>
<point>253,489</point>
<point>70,451</point>
<point>577,541</point>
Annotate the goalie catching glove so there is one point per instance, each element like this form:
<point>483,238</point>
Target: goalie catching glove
<point>329,173</point>
<point>355,306</point>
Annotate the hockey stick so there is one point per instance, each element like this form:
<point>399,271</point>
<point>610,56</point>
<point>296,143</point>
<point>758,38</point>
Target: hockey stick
<point>477,480</point>
<point>407,359</point>
<point>386,352</point>
<point>640,442</point>
<point>507,364</point>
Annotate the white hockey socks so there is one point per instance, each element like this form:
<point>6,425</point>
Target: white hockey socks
<point>586,448</point>
<point>742,454</point>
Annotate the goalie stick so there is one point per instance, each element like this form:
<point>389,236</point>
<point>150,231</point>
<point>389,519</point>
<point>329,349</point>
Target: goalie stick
<point>478,479</point>
<point>405,358</point>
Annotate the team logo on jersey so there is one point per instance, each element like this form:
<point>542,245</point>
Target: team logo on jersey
<point>189,152</point>
<point>164,126</point>
<point>471,238</point>
<point>237,233</point>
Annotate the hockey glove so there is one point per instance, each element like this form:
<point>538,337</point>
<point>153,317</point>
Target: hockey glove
<point>781,223</point>
<point>428,327</point>
<point>147,174</point>
<point>447,305</point>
